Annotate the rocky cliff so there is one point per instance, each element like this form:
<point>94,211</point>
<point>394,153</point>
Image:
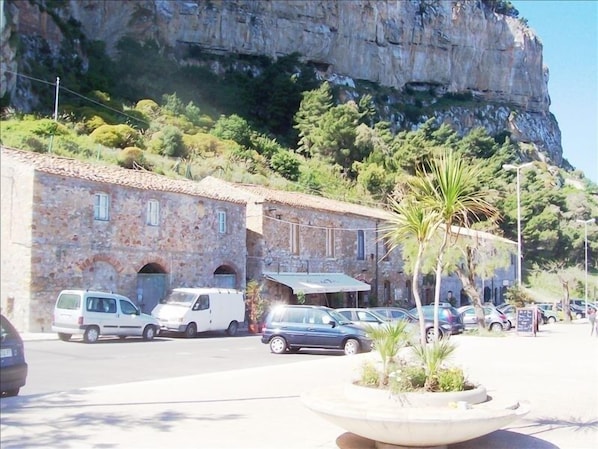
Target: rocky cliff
<point>451,46</point>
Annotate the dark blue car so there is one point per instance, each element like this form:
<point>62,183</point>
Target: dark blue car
<point>288,328</point>
<point>13,368</point>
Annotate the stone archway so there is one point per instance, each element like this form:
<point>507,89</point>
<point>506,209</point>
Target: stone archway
<point>152,285</point>
<point>101,272</point>
<point>225,277</point>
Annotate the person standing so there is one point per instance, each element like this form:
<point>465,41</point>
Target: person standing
<point>592,320</point>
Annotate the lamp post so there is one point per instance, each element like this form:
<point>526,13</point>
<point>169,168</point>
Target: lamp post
<point>519,256</point>
<point>585,225</point>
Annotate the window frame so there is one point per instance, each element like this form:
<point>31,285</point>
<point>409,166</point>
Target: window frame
<point>101,206</point>
<point>294,238</point>
<point>152,216</point>
<point>360,244</point>
<point>330,238</point>
<point>222,221</point>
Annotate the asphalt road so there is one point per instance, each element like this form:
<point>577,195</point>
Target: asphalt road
<point>56,366</point>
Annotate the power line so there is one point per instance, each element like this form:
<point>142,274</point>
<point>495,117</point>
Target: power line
<point>91,100</point>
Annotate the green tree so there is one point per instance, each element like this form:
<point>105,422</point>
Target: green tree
<point>313,106</point>
<point>233,128</point>
<point>411,221</point>
<point>448,188</point>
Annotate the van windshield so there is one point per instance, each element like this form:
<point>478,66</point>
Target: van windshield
<point>180,298</point>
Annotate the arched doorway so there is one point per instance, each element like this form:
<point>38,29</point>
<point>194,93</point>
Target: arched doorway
<point>152,284</point>
<point>225,277</point>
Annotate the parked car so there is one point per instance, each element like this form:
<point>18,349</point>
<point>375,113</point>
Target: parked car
<point>446,313</point>
<point>495,320</point>
<point>292,327</point>
<point>576,311</point>
<point>397,313</point>
<point>548,313</point>
<point>510,311</point>
<point>94,313</point>
<point>362,317</point>
<point>13,367</point>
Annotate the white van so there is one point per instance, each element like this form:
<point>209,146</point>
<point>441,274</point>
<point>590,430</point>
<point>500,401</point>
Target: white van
<point>193,310</point>
<point>94,313</point>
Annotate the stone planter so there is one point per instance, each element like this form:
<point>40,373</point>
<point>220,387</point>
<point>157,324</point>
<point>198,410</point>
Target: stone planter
<point>412,420</point>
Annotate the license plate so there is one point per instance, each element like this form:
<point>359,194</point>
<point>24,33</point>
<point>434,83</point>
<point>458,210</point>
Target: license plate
<point>5,352</point>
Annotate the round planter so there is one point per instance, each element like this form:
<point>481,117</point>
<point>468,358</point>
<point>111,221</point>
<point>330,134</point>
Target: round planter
<point>413,420</point>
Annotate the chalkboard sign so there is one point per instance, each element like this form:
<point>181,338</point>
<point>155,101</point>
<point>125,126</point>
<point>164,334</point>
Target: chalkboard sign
<point>526,321</point>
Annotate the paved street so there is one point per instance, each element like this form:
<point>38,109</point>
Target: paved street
<point>556,372</point>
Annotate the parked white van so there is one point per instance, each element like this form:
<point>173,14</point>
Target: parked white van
<point>193,310</point>
<point>95,313</point>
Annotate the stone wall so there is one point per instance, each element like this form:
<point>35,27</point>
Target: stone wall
<point>51,241</point>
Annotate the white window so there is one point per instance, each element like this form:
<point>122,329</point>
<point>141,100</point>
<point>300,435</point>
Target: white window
<point>221,222</point>
<point>153,213</point>
<point>294,238</point>
<point>101,207</point>
<point>360,245</point>
<point>330,242</point>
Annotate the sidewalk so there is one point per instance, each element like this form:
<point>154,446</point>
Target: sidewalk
<point>556,372</point>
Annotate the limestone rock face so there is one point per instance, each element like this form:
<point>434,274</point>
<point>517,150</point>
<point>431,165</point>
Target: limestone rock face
<point>452,46</point>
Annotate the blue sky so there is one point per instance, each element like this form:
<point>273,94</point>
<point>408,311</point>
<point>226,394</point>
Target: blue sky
<point>569,33</point>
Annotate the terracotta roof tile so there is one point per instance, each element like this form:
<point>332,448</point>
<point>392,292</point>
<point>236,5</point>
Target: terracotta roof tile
<point>111,174</point>
<point>301,200</point>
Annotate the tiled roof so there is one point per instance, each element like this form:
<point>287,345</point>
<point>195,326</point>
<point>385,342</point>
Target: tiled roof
<point>111,174</point>
<point>301,200</point>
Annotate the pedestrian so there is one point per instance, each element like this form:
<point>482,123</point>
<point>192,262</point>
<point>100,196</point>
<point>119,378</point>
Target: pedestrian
<point>592,320</point>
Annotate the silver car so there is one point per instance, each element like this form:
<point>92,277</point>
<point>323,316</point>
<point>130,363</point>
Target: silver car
<point>495,320</point>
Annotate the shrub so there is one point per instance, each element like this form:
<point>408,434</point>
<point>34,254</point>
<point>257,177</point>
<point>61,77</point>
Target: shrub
<point>233,128</point>
<point>370,376</point>
<point>115,136</point>
<point>286,164</point>
<point>148,107</point>
<point>451,379</point>
<point>132,157</point>
<point>47,127</point>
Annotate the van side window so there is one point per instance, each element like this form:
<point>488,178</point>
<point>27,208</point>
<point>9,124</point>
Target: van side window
<point>104,305</point>
<point>202,303</point>
<point>110,305</point>
<point>127,308</point>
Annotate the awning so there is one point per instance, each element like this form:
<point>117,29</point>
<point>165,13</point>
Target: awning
<point>319,282</point>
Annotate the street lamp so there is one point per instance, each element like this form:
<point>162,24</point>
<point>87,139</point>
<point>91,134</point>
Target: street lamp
<point>519,256</point>
<point>585,225</point>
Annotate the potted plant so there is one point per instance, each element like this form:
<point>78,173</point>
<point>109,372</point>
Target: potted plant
<point>409,395</point>
<point>256,305</point>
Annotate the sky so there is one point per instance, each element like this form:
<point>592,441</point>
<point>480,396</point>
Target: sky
<point>568,30</point>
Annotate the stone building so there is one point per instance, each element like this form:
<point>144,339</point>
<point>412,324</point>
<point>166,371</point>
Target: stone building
<point>72,224</point>
<point>323,251</point>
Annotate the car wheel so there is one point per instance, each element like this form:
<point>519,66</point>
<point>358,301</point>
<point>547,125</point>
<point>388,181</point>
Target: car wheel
<point>351,347</point>
<point>10,393</point>
<point>430,335</point>
<point>149,333</point>
<point>91,335</point>
<point>552,319</point>
<point>496,327</point>
<point>232,328</point>
<point>278,345</point>
<point>64,337</point>
<point>191,330</point>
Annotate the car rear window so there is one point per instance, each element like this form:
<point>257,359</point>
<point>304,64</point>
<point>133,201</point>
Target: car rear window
<point>69,301</point>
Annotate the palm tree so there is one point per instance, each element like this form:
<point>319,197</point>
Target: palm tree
<point>410,220</point>
<point>449,190</point>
